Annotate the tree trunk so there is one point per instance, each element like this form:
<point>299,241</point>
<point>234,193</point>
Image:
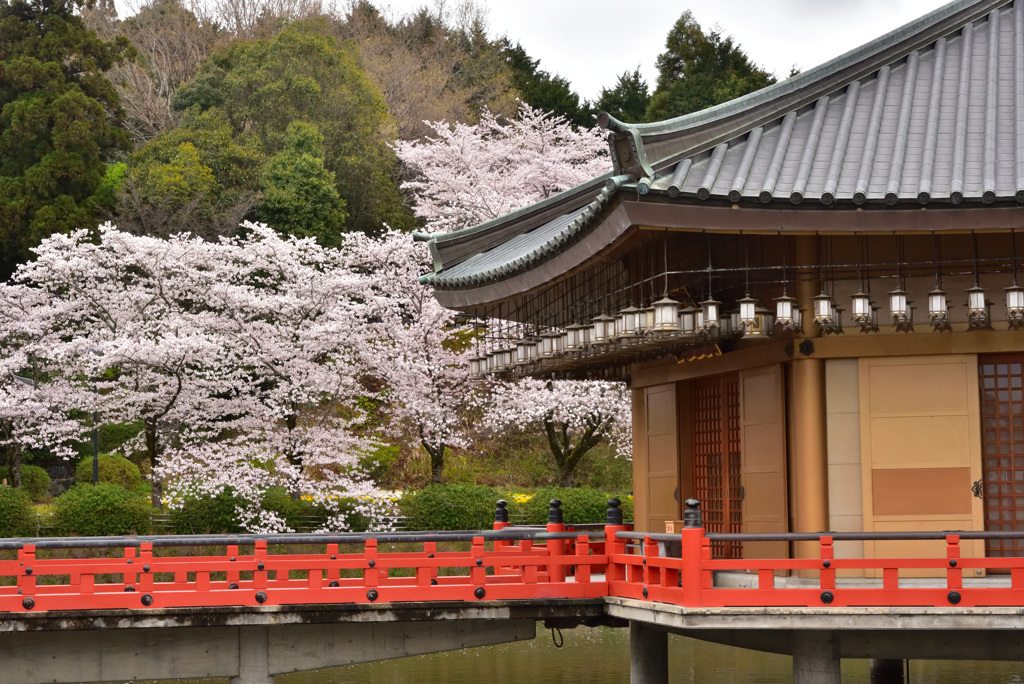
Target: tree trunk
<point>152,445</point>
<point>436,462</point>
<point>566,475</point>
<point>15,468</point>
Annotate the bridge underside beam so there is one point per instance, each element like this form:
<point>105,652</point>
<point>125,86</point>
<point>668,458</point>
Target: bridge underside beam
<point>249,654</point>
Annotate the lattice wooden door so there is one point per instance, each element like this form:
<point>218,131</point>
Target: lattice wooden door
<point>716,459</point>
<point>1002,442</point>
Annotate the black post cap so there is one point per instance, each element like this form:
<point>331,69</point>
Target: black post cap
<point>614,515</point>
<point>555,511</point>
<point>501,512</point>
<point>692,517</point>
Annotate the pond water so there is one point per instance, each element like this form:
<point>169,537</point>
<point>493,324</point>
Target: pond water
<point>601,656</point>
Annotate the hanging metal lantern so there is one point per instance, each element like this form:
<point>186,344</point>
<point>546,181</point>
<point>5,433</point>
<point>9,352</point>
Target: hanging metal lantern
<point>550,343</point>
<point>474,366</point>
<point>649,319</point>
<point>522,351</point>
<point>861,307</point>
<point>688,320</point>
<point>748,311</point>
<point>626,323</point>
<point>938,311</point>
<point>1015,306</point>
<point>785,313</point>
<point>725,326</point>
<point>573,337</point>
<point>823,308</point>
<point>666,316</point>
<point>604,329</point>
<point>763,325</point>
<point>899,311</point>
<point>977,308</point>
<point>710,313</point>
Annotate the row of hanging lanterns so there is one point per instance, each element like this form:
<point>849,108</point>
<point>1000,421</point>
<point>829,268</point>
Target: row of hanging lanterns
<point>666,319</point>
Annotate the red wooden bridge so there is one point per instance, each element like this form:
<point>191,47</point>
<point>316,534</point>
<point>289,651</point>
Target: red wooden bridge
<point>628,573</point>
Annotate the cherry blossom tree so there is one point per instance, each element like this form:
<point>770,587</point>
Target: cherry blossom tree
<point>576,415</point>
<point>465,174</point>
<point>239,357</point>
<point>413,344</point>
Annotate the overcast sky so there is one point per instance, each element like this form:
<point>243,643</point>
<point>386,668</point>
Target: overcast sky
<point>591,42</point>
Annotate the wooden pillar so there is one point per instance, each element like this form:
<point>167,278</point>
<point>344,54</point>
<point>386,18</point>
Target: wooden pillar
<point>808,447</point>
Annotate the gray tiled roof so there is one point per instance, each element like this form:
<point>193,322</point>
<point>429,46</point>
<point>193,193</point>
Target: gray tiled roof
<point>521,251</point>
<point>942,124</point>
<point>929,114</point>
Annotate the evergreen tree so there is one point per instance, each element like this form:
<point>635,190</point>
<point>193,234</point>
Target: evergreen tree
<point>628,100</point>
<point>299,197</point>
<point>699,70</point>
<point>301,74</point>
<point>60,122</point>
<point>541,90</point>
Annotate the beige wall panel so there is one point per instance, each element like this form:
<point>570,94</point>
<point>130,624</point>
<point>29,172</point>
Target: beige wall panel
<point>844,491</point>
<point>841,395</point>
<point>640,494</point>
<point>920,441</point>
<point>763,449</point>
<point>921,446</point>
<point>843,439</point>
<point>918,384</point>
<point>845,496</point>
<point>922,491</point>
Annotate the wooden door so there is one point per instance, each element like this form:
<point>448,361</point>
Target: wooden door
<point>1001,383</point>
<point>661,451</point>
<point>717,463</point>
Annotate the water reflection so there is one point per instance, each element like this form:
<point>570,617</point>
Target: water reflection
<point>601,656</point>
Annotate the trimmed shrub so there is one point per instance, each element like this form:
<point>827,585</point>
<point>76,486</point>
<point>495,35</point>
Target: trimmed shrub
<point>207,515</point>
<point>450,507</point>
<point>580,505</point>
<point>106,509</point>
<point>34,480</point>
<point>16,515</point>
<point>114,469</point>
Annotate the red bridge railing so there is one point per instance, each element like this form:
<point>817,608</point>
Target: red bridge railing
<point>73,574</point>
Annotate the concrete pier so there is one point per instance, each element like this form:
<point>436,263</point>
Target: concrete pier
<point>814,658</point>
<point>648,654</point>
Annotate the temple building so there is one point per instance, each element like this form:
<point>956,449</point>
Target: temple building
<point>812,291</point>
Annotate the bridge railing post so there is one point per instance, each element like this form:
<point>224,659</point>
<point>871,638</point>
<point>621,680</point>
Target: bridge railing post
<point>613,546</point>
<point>556,547</point>
<point>27,578</point>
<point>693,547</point>
<point>500,545</point>
<point>260,573</point>
<point>370,573</point>
<point>146,558</point>
<point>954,574</point>
<point>827,574</point>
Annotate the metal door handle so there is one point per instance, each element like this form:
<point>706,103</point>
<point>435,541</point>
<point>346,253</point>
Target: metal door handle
<point>978,489</point>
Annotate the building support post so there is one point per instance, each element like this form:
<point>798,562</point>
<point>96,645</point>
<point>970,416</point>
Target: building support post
<point>887,671</point>
<point>807,418</point>
<point>648,654</point>
<point>814,658</point>
<point>253,656</point>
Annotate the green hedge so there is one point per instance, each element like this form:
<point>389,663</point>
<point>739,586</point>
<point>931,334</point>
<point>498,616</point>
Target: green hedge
<point>580,505</point>
<point>106,509</point>
<point>16,516</point>
<point>34,480</point>
<point>450,507</point>
<point>216,515</point>
<point>114,469</point>
<point>207,515</point>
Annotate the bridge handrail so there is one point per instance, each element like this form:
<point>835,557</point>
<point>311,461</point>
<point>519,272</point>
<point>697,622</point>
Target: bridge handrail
<point>835,536</point>
<point>170,540</point>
